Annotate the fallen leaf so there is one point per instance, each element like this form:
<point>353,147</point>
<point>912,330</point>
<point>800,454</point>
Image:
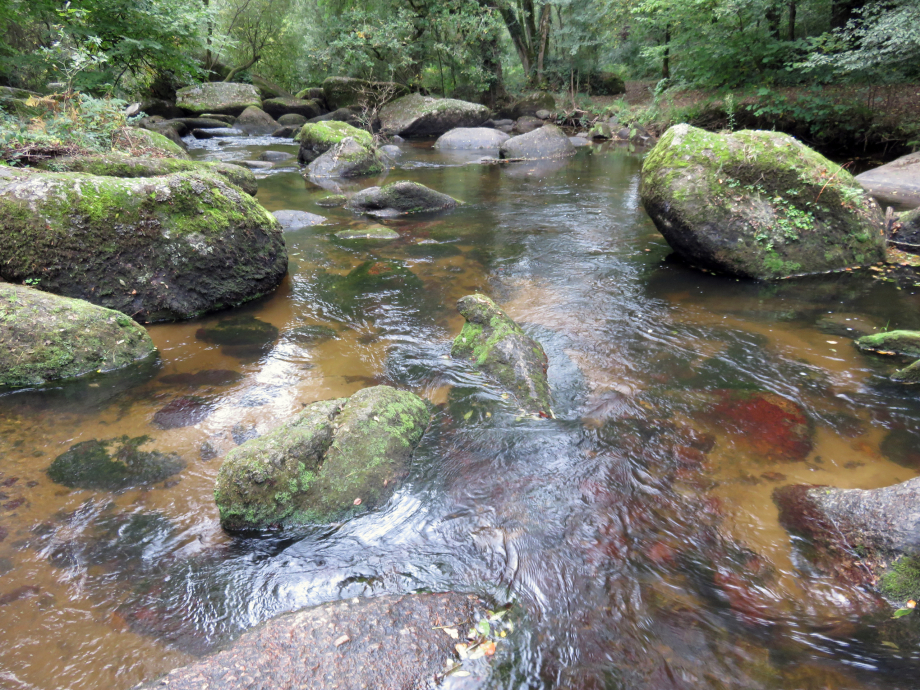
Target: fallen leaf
<point>453,632</point>
<point>488,648</point>
<point>461,649</point>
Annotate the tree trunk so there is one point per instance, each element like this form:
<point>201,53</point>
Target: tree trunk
<point>518,38</point>
<point>666,62</point>
<point>773,17</point>
<point>842,11</point>
<point>792,11</point>
<point>242,68</point>
<point>545,21</point>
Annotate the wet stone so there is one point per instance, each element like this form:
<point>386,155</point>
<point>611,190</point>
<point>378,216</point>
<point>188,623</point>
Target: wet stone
<point>370,232</point>
<point>112,465</point>
<point>205,377</point>
<point>242,433</point>
<point>332,201</point>
<point>902,446</point>
<point>393,641</point>
<point>294,220</point>
<point>311,334</point>
<point>207,451</point>
<point>243,337</point>
<point>182,412</point>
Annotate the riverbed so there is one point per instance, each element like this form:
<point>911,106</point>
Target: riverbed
<point>635,533</point>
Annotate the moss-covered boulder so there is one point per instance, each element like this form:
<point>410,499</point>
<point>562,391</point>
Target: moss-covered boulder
<point>891,343</point>
<point>292,120</point>
<point>758,204</point>
<point>155,248</point>
<point>121,165</point>
<point>499,347</point>
<point>544,143</point>
<point>335,459</point>
<point>137,142</point>
<point>112,465</point>
<point>860,535</point>
<point>278,107</point>
<point>318,137</point>
<point>470,138</point>
<point>417,115</point>
<point>170,130</point>
<point>398,199</point>
<point>48,338</point>
<point>909,374</point>
<point>311,93</point>
<point>348,158</point>
<point>253,120</point>
<point>223,98</point>
<point>342,92</point>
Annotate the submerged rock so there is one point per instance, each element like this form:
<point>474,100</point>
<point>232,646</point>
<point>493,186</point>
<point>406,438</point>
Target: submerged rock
<point>896,183</point>
<point>891,343</point>
<point>336,459</point>
<point>348,158</point>
<point>417,115</point>
<point>546,142</point>
<point>49,338</point>
<point>112,465</point>
<point>242,336</point>
<point>160,248</point>
<point>223,98</point>
<point>468,138</point>
<point>495,344</point>
<point>206,377</point>
<point>332,201</point>
<point>120,165</point>
<point>392,641</point>
<point>758,204</point>
<point>866,537</point>
<point>318,137</point>
<point>182,412</point>
<point>311,334</point>
<point>399,198</point>
<point>370,232</point>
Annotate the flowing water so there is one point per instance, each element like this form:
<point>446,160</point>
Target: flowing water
<point>635,532</point>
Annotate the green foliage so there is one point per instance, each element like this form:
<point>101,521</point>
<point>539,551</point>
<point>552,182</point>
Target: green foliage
<point>902,581</point>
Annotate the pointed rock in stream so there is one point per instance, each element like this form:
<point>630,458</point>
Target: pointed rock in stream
<point>499,347</point>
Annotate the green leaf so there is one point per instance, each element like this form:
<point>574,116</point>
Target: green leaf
<point>900,613</point>
<point>484,629</point>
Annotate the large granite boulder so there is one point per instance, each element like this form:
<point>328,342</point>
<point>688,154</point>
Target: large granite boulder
<point>469,138</point>
<point>254,120</point>
<point>342,92</point>
<point>348,158</point>
<point>276,107</point>
<point>546,142</point>
<point>318,137</point>
<point>49,338</point>
<point>169,130</point>
<point>896,183</point>
<point>120,165</point>
<point>154,248</point>
<point>399,198</point>
<point>499,347</point>
<point>393,641</point>
<point>529,105</point>
<point>334,460</point>
<point>526,124</point>
<point>223,98</point>
<point>417,115</point>
<point>871,537</point>
<point>758,204</point>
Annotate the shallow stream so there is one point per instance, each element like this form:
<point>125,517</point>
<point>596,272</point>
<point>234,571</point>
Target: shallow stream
<point>635,532</point>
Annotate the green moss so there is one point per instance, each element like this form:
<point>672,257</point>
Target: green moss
<point>891,342</point>
<point>328,133</point>
<point>901,581</point>
<point>112,465</point>
<point>135,141</point>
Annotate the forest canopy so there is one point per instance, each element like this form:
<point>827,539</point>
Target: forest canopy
<point>472,49</point>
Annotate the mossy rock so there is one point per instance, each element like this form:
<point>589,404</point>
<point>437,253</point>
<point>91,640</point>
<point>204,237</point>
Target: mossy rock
<point>332,201</point>
<point>496,345</point>
<point>891,343</point>
<point>417,115</point>
<point>318,137</point>
<point>758,204</point>
<point>334,460</point>
<point>159,248</point>
<point>348,158</point>
<point>909,374</point>
<point>223,98</point>
<point>374,276</point>
<point>278,107</point>
<point>113,465</point>
<point>138,141</point>
<point>120,165</point>
<point>50,338</point>
<point>398,199</point>
<point>901,580</point>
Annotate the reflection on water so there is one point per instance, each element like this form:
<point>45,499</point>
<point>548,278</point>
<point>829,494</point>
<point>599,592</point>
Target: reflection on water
<point>636,530</point>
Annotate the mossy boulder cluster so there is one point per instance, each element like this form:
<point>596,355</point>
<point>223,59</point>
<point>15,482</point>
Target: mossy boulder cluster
<point>50,338</point>
<point>318,137</point>
<point>155,248</point>
<point>348,158</point>
<point>398,199</point>
<point>872,537</point>
<point>417,115</point>
<point>499,347</point>
<point>546,142</point>
<point>335,459</point>
<point>758,204</point>
<point>222,98</point>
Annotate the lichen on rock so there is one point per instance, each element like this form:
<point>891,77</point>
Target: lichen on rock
<point>758,204</point>
<point>334,460</point>
<point>50,338</point>
<point>499,347</point>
